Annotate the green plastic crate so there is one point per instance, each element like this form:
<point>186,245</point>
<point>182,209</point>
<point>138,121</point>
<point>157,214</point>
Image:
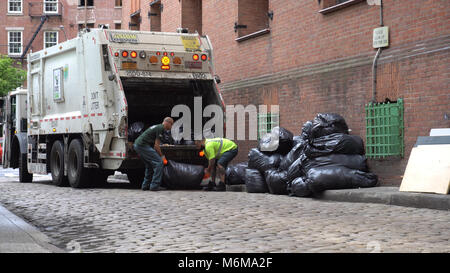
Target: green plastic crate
<point>384,129</point>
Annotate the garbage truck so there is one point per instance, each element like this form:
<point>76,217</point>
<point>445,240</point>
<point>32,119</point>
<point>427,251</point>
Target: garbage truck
<point>83,95</point>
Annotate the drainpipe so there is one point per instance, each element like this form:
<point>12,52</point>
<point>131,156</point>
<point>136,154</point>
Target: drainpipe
<point>374,65</point>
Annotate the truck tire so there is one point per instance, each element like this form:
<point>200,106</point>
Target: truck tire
<point>136,177</point>
<point>77,174</point>
<point>24,176</point>
<point>57,165</point>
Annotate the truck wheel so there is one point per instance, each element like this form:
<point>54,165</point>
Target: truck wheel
<point>136,177</point>
<point>24,176</point>
<point>77,174</point>
<point>57,164</point>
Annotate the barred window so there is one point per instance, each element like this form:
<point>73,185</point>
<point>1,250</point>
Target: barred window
<point>15,6</point>
<point>14,42</point>
<point>90,3</point>
<point>50,6</point>
<point>253,18</point>
<point>50,38</point>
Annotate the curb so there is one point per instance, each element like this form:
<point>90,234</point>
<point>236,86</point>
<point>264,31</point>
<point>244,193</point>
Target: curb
<point>378,195</point>
<point>18,236</point>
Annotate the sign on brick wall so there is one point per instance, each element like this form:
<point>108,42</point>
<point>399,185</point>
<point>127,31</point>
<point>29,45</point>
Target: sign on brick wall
<point>381,37</point>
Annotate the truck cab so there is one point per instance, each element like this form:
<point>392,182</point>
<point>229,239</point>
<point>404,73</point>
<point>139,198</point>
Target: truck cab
<point>15,133</point>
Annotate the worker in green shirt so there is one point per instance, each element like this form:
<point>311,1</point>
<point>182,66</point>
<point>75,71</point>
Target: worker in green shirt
<point>219,152</point>
<point>147,145</point>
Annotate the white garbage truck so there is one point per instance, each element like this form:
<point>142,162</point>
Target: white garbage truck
<point>83,95</point>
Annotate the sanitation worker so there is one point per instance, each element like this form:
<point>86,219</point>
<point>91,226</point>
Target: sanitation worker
<point>219,152</point>
<point>147,145</point>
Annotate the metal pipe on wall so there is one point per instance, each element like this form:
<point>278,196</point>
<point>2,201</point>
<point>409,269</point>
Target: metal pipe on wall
<point>374,65</point>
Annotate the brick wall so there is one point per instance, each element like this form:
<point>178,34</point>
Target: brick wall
<point>191,15</point>
<point>312,63</point>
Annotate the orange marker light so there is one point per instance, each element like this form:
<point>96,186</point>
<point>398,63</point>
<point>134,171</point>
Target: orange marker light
<point>195,57</point>
<point>116,54</point>
<point>204,57</point>
<point>153,59</point>
<point>133,54</point>
<point>201,154</point>
<point>124,53</point>
<point>177,60</point>
<point>165,67</point>
<point>165,161</point>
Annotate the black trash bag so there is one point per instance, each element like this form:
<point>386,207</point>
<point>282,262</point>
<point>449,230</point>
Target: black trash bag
<point>135,130</point>
<point>294,154</point>
<point>235,174</point>
<point>167,138</point>
<point>307,130</point>
<point>299,187</point>
<point>337,177</point>
<point>296,140</point>
<point>254,181</point>
<point>355,162</point>
<point>279,141</point>
<point>177,176</point>
<point>328,123</point>
<point>262,162</point>
<point>276,181</point>
<point>335,144</point>
<point>296,170</point>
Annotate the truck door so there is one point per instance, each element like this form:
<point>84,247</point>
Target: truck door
<point>8,129</point>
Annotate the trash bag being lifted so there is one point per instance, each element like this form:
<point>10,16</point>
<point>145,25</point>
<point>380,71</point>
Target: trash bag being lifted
<point>355,162</point>
<point>337,177</point>
<point>254,181</point>
<point>235,174</point>
<point>279,141</point>
<point>276,181</point>
<point>262,162</point>
<point>299,187</point>
<point>307,130</point>
<point>179,176</point>
<point>328,123</point>
<point>135,130</point>
<point>335,144</point>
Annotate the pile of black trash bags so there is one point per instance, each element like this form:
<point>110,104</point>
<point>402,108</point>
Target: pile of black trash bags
<point>325,156</point>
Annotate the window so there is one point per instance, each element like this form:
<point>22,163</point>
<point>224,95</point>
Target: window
<point>191,15</point>
<point>15,42</point>
<point>384,129</point>
<point>332,5</point>
<point>118,3</point>
<point>253,18</point>
<point>50,38</point>
<point>266,122</point>
<point>14,6</point>
<point>50,6</point>
<point>155,16</point>
<point>118,26</point>
<point>90,3</point>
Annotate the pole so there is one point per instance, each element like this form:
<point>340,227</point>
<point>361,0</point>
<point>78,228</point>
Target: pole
<point>85,14</point>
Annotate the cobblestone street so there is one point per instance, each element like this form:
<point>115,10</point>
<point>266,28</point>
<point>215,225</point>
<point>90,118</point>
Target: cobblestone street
<point>120,219</point>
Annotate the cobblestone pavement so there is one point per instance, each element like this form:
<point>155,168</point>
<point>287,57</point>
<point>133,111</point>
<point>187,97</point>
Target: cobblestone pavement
<point>120,219</point>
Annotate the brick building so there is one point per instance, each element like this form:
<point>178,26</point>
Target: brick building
<point>20,19</point>
<point>315,56</point>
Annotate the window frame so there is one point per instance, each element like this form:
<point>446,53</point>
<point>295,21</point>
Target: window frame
<point>15,12</point>
<point>89,6</point>
<point>115,3</point>
<point>259,32</point>
<point>326,10</point>
<point>49,3</point>
<point>46,42</point>
<point>9,42</point>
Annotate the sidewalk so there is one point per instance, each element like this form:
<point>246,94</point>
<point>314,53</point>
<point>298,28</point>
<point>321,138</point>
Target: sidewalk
<point>17,236</point>
<point>380,195</point>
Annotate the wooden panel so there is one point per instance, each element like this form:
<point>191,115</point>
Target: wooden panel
<point>428,169</point>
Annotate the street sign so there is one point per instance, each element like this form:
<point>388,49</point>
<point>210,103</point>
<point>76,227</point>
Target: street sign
<point>381,37</point>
